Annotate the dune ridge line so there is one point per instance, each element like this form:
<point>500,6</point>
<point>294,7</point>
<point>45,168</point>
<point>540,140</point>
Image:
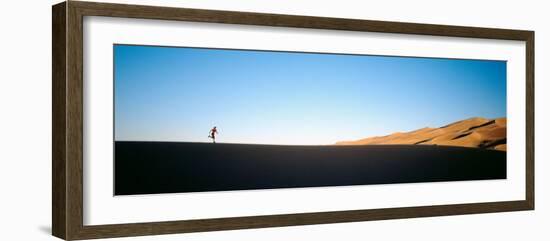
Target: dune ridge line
<point>473,132</point>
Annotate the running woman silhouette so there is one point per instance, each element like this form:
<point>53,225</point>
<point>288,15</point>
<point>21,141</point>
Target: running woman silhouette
<point>212,134</point>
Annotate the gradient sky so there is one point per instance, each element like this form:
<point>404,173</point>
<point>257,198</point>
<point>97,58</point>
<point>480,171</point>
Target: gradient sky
<point>263,97</point>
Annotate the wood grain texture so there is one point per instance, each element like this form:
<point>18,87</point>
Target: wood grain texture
<point>155,228</point>
<point>58,121</point>
<point>74,121</point>
<point>530,120</point>
<point>67,79</point>
<point>280,20</point>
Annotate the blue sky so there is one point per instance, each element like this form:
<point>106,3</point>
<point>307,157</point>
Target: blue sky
<point>264,97</point>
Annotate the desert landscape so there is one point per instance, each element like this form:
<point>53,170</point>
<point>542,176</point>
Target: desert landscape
<point>174,167</point>
<point>471,149</point>
<point>191,119</point>
<point>474,132</point>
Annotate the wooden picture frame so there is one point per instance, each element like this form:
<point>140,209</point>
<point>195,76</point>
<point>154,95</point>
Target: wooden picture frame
<point>67,150</point>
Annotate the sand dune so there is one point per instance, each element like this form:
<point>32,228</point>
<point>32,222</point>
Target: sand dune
<point>172,167</point>
<point>473,132</point>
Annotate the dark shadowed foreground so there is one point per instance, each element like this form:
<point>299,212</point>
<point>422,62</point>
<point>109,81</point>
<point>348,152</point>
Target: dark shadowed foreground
<point>169,167</point>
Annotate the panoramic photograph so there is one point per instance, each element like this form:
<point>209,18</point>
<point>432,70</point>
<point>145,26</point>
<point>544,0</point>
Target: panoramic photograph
<point>190,119</point>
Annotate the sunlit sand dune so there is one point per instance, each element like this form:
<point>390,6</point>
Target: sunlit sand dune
<point>473,132</point>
